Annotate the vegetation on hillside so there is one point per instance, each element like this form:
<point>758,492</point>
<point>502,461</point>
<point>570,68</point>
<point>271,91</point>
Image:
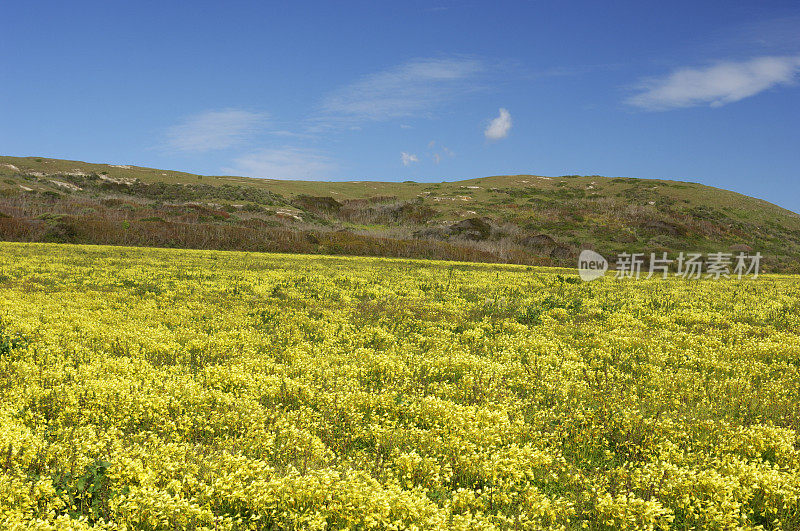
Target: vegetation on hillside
<point>515,219</point>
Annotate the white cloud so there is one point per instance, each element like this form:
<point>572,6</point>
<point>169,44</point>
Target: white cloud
<point>406,90</point>
<point>213,130</point>
<point>437,158</point>
<point>499,127</point>
<point>716,85</point>
<point>283,163</point>
<point>408,158</point>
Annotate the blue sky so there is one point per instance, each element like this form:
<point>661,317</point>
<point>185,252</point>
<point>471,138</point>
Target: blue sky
<point>429,91</point>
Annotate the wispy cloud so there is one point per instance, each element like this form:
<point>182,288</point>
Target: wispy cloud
<point>716,85</point>
<point>499,127</point>
<point>410,89</point>
<point>213,130</point>
<point>445,151</point>
<point>284,163</point>
<point>408,158</point>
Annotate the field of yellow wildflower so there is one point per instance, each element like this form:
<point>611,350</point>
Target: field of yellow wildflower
<point>170,389</point>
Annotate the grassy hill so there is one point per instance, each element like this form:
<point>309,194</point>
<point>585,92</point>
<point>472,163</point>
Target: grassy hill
<point>526,219</point>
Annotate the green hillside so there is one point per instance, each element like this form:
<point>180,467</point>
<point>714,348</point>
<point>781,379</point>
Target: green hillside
<point>515,218</point>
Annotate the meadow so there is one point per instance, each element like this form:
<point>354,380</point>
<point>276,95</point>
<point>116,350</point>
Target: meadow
<point>172,389</point>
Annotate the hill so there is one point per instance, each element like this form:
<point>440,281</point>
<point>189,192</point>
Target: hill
<point>526,219</point>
